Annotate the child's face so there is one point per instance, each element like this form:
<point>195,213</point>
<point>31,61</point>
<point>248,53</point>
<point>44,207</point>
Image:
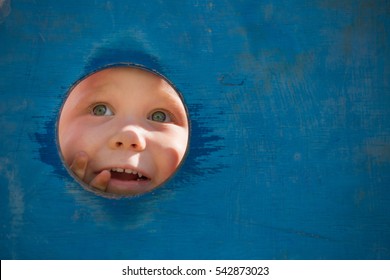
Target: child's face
<point>129,122</point>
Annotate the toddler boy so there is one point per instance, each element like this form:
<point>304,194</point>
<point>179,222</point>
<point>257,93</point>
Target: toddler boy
<point>123,130</point>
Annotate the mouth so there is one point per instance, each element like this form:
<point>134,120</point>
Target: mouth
<point>123,174</point>
<point>127,181</point>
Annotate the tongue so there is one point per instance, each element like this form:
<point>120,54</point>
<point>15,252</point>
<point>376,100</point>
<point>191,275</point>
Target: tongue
<point>124,176</point>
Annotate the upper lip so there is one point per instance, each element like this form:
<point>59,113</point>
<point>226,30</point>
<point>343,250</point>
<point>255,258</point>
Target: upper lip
<point>127,169</point>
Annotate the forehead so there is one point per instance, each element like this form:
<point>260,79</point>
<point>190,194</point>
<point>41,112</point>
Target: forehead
<point>127,77</point>
<point>126,80</point>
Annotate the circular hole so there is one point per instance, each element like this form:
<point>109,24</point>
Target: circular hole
<point>123,131</point>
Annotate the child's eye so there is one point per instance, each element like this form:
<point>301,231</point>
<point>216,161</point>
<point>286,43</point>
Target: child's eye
<point>102,110</point>
<point>160,116</point>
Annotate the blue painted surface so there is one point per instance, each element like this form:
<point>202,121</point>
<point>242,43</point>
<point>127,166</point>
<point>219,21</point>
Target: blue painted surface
<point>290,147</point>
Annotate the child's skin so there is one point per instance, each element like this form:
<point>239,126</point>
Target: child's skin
<point>123,130</point>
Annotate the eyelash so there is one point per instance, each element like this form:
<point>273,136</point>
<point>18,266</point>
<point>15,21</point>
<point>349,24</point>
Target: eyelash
<point>168,113</point>
<point>93,106</point>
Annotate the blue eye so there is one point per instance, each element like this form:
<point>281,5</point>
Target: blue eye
<point>160,116</point>
<point>101,110</point>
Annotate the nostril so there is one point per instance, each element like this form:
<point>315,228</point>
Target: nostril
<point>121,145</point>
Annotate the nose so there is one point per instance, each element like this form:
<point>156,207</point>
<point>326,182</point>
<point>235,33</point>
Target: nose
<point>128,138</point>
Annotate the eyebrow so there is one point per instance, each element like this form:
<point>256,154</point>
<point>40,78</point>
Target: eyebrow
<point>172,96</point>
<point>87,96</point>
<point>173,100</point>
<point>96,92</point>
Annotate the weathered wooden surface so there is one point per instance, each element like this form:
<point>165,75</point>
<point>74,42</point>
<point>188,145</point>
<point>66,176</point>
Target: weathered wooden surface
<point>290,145</point>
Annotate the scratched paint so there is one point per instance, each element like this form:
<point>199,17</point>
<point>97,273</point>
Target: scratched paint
<point>290,137</point>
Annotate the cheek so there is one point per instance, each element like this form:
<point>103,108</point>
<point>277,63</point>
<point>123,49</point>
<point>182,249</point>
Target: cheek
<point>169,153</point>
<point>76,139</point>
<point>167,163</point>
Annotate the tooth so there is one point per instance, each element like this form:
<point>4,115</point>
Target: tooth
<point>113,169</point>
<point>128,171</point>
<point>134,172</point>
<point>139,175</point>
<point>119,169</point>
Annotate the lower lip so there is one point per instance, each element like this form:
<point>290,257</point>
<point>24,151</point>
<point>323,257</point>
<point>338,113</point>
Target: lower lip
<point>128,187</point>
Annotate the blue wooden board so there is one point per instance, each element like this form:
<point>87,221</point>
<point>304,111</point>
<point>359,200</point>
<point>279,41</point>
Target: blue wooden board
<point>290,133</point>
